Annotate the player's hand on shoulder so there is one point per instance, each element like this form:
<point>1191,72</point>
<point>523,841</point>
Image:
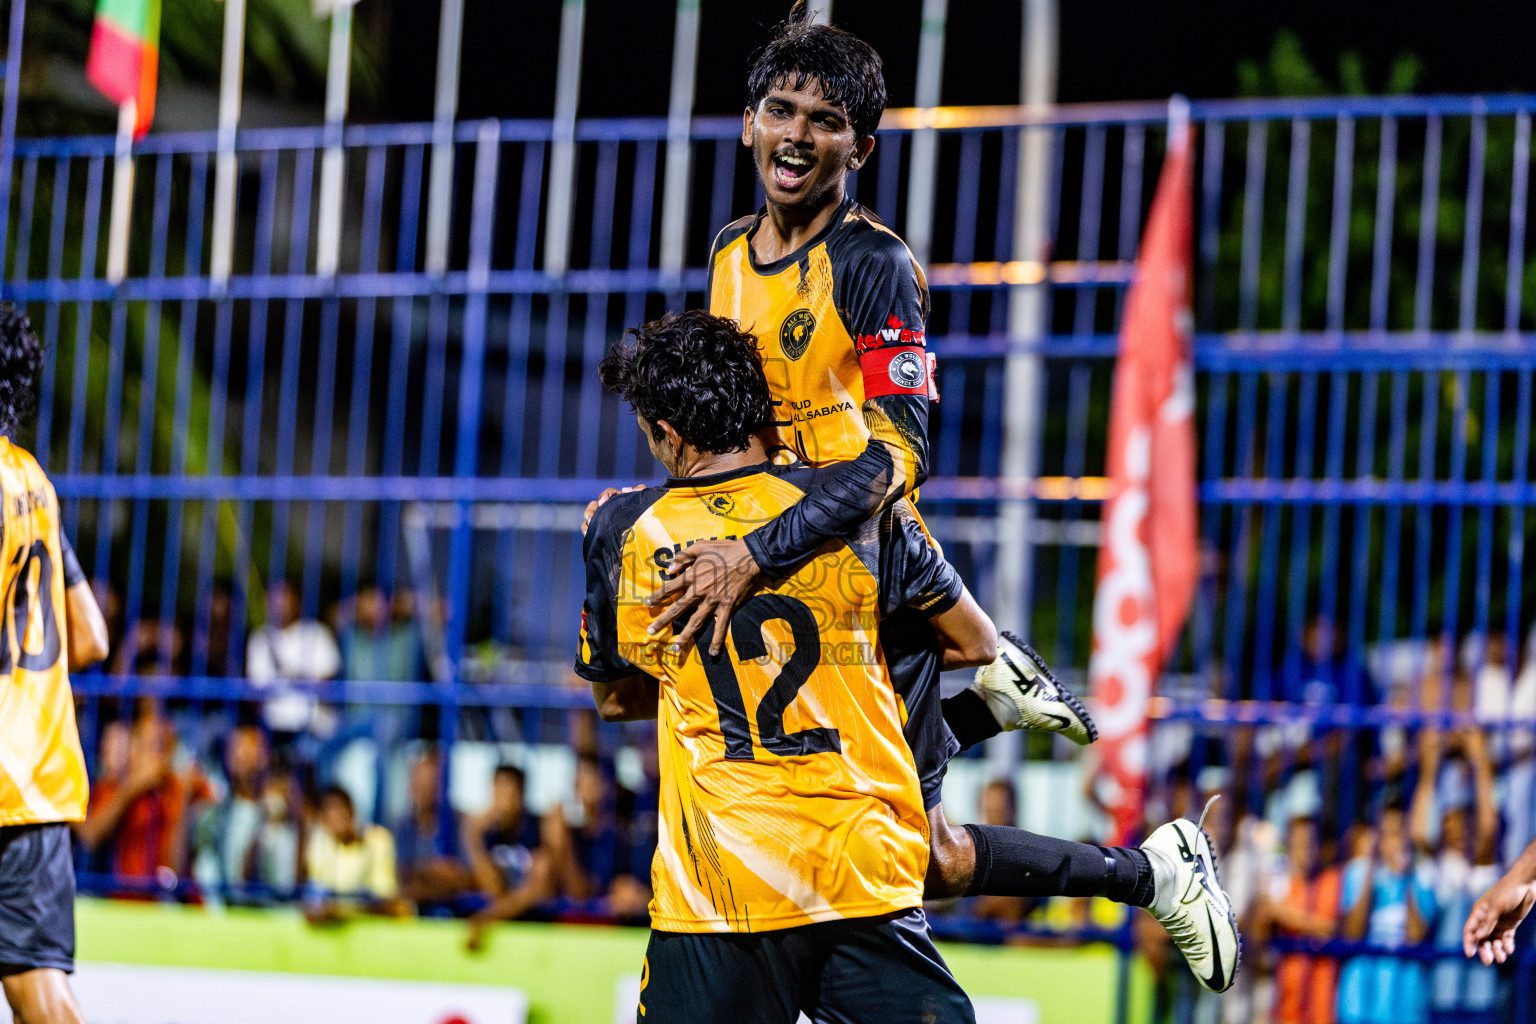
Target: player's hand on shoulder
<point>602,499</point>
<point>711,578</point>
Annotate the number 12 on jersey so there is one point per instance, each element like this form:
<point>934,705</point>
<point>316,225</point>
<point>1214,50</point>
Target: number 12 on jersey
<point>747,638</point>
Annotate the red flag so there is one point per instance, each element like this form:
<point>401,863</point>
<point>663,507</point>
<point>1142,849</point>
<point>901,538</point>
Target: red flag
<point>1148,556</point>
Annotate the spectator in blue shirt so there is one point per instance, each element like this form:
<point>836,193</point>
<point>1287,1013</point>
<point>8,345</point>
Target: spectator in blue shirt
<point>1456,794</point>
<point>1389,902</point>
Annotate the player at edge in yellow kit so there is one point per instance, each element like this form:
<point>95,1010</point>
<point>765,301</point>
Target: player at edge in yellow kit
<point>51,623</point>
<point>792,840</point>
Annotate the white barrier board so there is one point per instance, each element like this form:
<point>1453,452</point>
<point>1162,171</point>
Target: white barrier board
<point>130,994</point>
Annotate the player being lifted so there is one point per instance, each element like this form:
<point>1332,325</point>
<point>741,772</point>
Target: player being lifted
<point>51,622</point>
<point>839,306</point>
<point>803,699</point>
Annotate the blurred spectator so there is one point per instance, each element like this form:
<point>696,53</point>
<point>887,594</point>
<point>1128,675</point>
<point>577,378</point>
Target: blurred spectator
<point>635,812</point>
<point>290,648</point>
<point>140,815</point>
<point>426,876</point>
<point>349,870</point>
<point>1303,903</point>
<point>248,836</point>
<point>211,646</point>
<point>591,860</point>
<point>277,846</point>
<point>379,639</point>
<point>1250,863</point>
<point>151,648</point>
<point>1322,670</point>
<point>507,854</point>
<point>1454,798</point>
<point>1501,699</point>
<point>1388,902</point>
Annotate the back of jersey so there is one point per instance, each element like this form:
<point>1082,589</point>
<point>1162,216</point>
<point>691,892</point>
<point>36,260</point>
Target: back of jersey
<point>42,770</point>
<point>788,792</point>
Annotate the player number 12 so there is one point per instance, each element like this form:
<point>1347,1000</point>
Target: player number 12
<point>747,638</point>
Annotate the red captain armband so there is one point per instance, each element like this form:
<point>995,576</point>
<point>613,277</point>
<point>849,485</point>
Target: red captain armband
<point>907,370</point>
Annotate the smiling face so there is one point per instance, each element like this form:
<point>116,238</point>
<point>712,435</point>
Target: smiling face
<point>803,146</point>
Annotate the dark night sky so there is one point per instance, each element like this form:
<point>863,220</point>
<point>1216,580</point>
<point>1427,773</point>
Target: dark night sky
<point>1110,49</point>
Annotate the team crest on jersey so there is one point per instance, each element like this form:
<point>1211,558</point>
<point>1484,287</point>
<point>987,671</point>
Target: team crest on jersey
<point>795,334</point>
<point>720,504</point>
<point>907,370</point>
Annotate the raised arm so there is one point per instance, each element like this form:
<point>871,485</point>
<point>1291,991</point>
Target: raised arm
<point>1421,810</point>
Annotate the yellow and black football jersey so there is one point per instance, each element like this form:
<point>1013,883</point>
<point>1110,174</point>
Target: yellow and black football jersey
<point>788,792</point>
<point>42,771</point>
<point>839,321</point>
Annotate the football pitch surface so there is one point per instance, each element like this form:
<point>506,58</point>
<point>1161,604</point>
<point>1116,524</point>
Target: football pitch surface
<point>571,974</point>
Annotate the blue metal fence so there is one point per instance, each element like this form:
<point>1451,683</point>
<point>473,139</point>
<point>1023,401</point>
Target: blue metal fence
<point>1363,349</point>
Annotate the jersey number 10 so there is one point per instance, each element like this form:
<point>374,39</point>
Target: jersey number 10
<point>747,636</point>
<point>18,608</point>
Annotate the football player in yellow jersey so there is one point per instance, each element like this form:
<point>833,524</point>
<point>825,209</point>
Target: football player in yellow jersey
<point>762,827</point>
<point>839,305</point>
<point>48,621</point>
<point>792,840</point>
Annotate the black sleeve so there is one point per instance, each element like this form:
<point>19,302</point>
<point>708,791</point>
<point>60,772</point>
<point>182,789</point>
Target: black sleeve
<point>913,573</point>
<point>883,301</point>
<point>597,654</point>
<point>72,572</point>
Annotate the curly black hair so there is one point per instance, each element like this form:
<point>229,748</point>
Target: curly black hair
<point>21,360</point>
<point>700,373</point>
<point>846,67</point>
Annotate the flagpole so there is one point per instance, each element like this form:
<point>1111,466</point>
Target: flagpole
<point>332,165</point>
<point>122,194</point>
<point>1023,372</point>
<point>226,166</point>
<point>562,153</point>
<point>8,127</point>
<point>674,202</point>
<point>925,141</point>
<point>445,106</point>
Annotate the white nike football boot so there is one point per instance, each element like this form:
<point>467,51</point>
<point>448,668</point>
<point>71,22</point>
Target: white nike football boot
<point>1187,899</point>
<point>1021,693</point>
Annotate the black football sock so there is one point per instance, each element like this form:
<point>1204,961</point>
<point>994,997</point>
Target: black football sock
<point>969,718</point>
<point>1013,862</point>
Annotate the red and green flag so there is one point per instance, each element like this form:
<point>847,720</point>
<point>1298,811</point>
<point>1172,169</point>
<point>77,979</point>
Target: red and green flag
<point>125,55</point>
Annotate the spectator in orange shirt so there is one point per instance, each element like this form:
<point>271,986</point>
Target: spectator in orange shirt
<point>142,816</point>
<point>1305,905</point>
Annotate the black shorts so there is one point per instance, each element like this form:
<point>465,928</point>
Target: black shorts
<point>37,898</point>
<point>912,654</point>
<point>879,970</point>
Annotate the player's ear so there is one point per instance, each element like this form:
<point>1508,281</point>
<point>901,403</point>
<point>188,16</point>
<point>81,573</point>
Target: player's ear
<point>670,437</point>
<point>747,117</point>
<point>861,151</point>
